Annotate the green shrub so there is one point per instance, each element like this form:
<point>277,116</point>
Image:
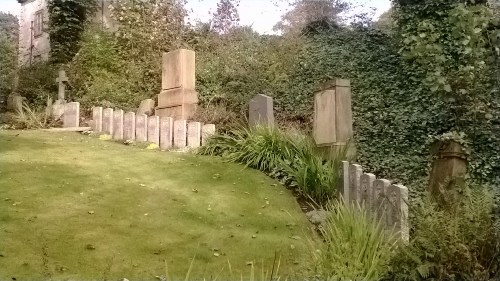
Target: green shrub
<point>357,247</point>
<point>288,156</point>
<point>37,82</point>
<point>456,242</point>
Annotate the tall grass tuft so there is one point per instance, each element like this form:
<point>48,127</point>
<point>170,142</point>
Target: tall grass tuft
<point>288,156</point>
<point>28,118</point>
<point>357,247</point>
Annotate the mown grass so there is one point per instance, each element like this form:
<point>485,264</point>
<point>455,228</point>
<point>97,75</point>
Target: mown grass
<point>74,207</point>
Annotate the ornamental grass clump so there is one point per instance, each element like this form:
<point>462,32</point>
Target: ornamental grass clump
<point>357,246</point>
<point>290,157</point>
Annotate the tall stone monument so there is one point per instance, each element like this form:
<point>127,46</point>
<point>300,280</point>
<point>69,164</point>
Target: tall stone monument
<point>178,98</point>
<point>333,115</point>
<point>59,104</point>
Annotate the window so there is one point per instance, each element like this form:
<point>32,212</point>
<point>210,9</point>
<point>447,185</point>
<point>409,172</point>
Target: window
<point>38,24</point>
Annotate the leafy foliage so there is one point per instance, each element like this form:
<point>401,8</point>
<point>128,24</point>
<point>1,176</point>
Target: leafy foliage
<point>290,157</point>
<point>37,83</point>
<point>456,242</point>
<point>8,55</point>
<point>67,19</point>
<point>357,247</point>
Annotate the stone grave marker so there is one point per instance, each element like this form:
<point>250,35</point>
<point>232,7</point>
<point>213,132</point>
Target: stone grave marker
<point>97,118</point>
<point>61,81</point>
<point>154,130</point>
<point>178,98</point>
<point>71,117</point>
<point>141,127</point>
<point>355,172</point>
<point>166,132</point>
<point>194,134</point>
<point>129,126</point>
<point>180,133</point>
<point>107,121</point>
<point>118,124</point>
<point>207,131</point>
<point>146,107</point>
<point>261,111</point>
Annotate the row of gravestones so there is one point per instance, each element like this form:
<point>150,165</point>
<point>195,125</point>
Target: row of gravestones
<point>165,132</point>
<point>386,201</point>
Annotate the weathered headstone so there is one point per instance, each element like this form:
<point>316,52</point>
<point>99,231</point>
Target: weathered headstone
<point>449,168</point>
<point>207,131</point>
<point>166,132</point>
<point>118,124</point>
<point>180,133</point>
<point>61,81</point>
<point>194,134</point>
<point>366,185</point>
<point>141,127</point>
<point>261,111</point>
<point>129,126</point>
<point>107,121</point>
<point>379,191</point>
<point>71,115</point>
<point>333,114</point>
<point>355,172</point>
<point>346,183</point>
<point>146,107</point>
<point>97,118</point>
<point>398,210</point>
<point>178,98</point>
<point>154,130</point>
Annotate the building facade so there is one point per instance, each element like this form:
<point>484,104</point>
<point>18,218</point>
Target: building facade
<point>34,41</point>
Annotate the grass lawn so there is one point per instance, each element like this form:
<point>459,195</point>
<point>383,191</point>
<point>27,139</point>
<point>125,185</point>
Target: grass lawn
<point>75,207</point>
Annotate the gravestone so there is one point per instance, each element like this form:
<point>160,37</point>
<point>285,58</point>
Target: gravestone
<point>154,130</point>
<point>194,134</point>
<point>379,191</point>
<point>355,172</point>
<point>97,118</point>
<point>207,131</point>
<point>180,133</point>
<point>129,126</point>
<point>261,111</point>
<point>346,181</point>
<point>107,121</point>
<point>71,117</point>
<point>146,107</point>
<point>118,124</point>
<point>59,104</point>
<point>166,132</point>
<point>397,216</point>
<point>366,186</point>
<point>141,127</point>
<point>333,114</point>
<point>178,98</point>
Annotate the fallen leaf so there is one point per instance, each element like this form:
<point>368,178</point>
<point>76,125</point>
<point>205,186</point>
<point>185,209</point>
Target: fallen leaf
<point>216,254</point>
<point>90,247</point>
<point>91,212</point>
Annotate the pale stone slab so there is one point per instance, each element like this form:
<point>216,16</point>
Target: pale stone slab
<point>107,121</point>
<point>141,127</point>
<point>71,116</point>
<point>355,172</point>
<point>146,107</point>
<point>345,182</point>
<point>194,134</point>
<point>129,126</point>
<point>324,118</point>
<point>380,187</point>
<point>181,112</point>
<point>397,216</point>
<point>178,69</point>
<point>207,131</point>
<point>366,185</point>
<point>118,124</point>
<point>154,130</point>
<point>97,118</point>
<point>180,133</point>
<point>261,111</point>
<point>166,132</point>
<point>177,97</point>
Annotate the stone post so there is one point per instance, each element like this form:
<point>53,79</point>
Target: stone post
<point>97,118</point>
<point>107,121</point>
<point>166,132</point>
<point>118,124</point>
<point>178,98</point>
<point>154,130</point>
<point>71,117</point>
<point>141,127</point>
<point>194,134</point>
<point>129,126</point>
<point>180,133</point>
